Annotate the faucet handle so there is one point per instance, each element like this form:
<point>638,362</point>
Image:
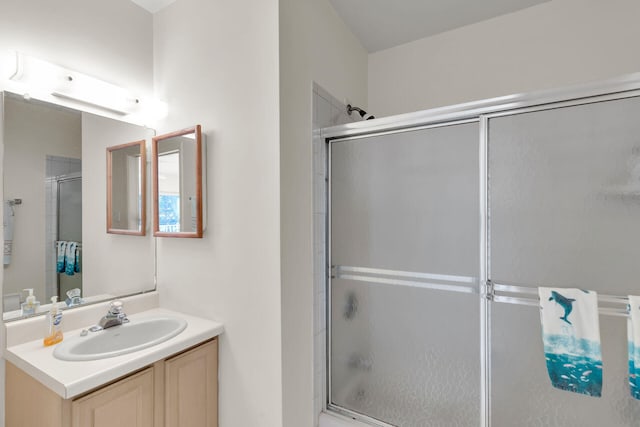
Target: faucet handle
<point>115,307</point>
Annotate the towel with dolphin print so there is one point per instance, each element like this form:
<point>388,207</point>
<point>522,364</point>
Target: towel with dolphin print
<point>571,336</point>
<point>633,334</point>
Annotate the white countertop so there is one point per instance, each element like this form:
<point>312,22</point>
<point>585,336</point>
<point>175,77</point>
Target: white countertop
<point>70,379</point>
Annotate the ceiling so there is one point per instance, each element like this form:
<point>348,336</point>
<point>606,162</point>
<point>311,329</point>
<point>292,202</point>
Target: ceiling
<point>153,5</point>
<point>381,24</point>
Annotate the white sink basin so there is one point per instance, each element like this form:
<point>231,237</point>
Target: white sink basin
<point>118,340</point>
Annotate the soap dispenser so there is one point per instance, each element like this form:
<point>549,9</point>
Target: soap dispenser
<point>54,323</point>
<point>30,306</point>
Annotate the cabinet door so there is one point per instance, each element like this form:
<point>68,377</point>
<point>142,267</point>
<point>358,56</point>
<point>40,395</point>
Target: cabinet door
<point>191,388</point>
<point>23,393</point>
<point>126,403</point>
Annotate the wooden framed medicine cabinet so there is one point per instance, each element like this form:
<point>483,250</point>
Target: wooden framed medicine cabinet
<point>177,183</point>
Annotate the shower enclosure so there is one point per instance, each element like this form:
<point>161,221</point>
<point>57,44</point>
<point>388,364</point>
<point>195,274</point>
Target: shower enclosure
<point>63,189</point>
<point>440,228</point>
<point>69,224</point>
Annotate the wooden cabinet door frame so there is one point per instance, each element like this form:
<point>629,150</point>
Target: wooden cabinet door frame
<point>191,387</point>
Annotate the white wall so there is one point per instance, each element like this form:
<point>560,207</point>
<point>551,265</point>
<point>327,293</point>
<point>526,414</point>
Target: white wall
<point>116,264</point>
<point>27,126</point>
<point>314,46</point>
<point>338,60</point>
<point>554,44</point>
<point>216,63</point>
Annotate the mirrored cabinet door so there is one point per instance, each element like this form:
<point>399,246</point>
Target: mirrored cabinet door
<point>126,189</point>
<point>177,183</point>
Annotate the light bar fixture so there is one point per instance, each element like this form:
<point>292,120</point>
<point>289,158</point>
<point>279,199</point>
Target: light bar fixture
<point>42,80</point>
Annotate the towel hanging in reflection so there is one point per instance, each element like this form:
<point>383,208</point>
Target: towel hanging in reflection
<point>71,258</point>
<point>571,336</point>
<point>7,223</point>
<point>68,257</point>
<point>61,253</point>
<point>633,334</point>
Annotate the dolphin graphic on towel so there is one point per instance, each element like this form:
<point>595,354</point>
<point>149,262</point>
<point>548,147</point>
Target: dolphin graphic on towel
<point>571,337</point>
<point>566,303</point>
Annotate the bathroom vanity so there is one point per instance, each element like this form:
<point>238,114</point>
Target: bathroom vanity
<point>174,383</point>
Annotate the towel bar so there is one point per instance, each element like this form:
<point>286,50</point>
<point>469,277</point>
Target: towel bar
<point>609,305</point>
<point>78,244</point>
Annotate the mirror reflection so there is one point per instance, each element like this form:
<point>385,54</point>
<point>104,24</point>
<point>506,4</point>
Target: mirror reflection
<point>55,185</point>
<point>177,160</point>
<point>126,186</point>
<point>43,170</point>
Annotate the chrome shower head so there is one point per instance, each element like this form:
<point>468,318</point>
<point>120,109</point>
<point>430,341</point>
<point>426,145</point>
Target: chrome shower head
<point>363,114</point>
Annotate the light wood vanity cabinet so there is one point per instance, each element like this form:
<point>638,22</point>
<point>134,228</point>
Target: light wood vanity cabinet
<point>191,385</point>
<point>180,391</point>
<point>128,402</point>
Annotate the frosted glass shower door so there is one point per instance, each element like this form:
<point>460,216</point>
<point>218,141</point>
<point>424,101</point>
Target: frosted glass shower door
<point>564,200</point>
<point>69,225</point>
<point>404,317</point>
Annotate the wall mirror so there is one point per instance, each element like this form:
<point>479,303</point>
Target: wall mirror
<point>126,188</point>
<point>55,181</point>
<point>177,183</point>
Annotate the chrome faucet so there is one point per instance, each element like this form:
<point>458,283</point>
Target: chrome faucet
<point>115,316</point>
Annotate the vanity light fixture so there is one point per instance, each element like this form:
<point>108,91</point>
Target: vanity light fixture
<point>46,81</point>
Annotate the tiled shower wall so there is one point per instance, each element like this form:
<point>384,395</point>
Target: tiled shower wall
<point>327,111</point>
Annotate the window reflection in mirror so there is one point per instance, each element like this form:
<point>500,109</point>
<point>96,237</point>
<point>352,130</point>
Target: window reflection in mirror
<point>178,177</point>
<point>126,189</point>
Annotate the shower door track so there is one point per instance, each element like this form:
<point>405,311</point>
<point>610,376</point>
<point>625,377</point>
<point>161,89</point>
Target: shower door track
<point>482,112</point>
